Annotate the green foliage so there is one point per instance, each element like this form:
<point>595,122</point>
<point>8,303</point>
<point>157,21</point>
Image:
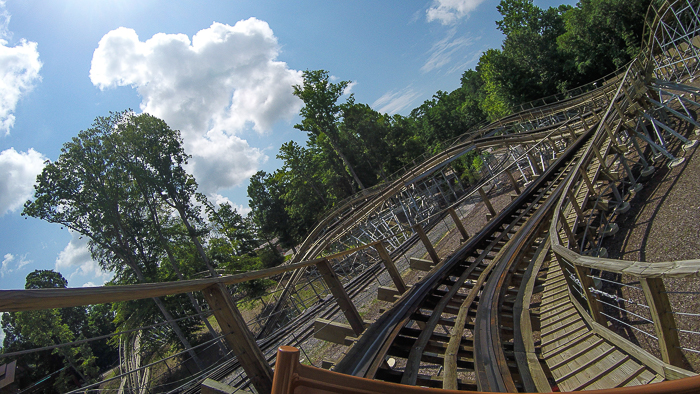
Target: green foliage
<point>35,329</point>
<point>601,36</point>
<point>270,257</point>
<point>545,52</point>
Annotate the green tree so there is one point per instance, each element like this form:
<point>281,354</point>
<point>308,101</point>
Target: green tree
<point>35,329</point>
<point>601,36</point>
<point>89,190</point>
<point>321,113</point>
<point>267,210</point>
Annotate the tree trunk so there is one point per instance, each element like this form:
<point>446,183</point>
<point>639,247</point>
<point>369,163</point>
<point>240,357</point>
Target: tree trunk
<point>169,319</point>
<point>174,264</point>
<point>193,235</point>
<point>346,162</point>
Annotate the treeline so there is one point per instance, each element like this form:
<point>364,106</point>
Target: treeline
<point>122,184</point>
<point>351,147</point>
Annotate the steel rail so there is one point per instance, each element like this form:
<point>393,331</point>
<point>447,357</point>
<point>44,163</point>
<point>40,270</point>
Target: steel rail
<point>367,354</point>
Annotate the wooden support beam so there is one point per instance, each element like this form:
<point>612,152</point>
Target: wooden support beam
<point>388,294</point>
<point>426,242</point>
<point>341,297</point>
<point>567,230</point>
<point>513,181</point>
<point>238,337</point>
<point>664,324</point>
<point>420,264</point>
<point>458,224</point>
<point>332,331</point>
<point>574,203</point>
<point>533,162</point>
<point>484,197</point>
<point>587,180</point>
<point>586,283</point>
<point>211,386</point>
<point>391,268</point>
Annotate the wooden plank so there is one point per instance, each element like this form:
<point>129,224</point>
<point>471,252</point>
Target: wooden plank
<point>595,356</point>
<point>571,312</point>
<point>341,297</point>
<point>586,283</point>
<point>420,264</point>
<point>391,268</point>
<point>524,343</point>
<point>238,337</point>
<point>211,386</point>
<point>36,299</point>
<point>574,352</point>
<point>332,331</point>
<point>573,320</point>
<point>426,242</point>
<point>670,372</point>
<point>458,223</point>
<point>486,200</point>
<point>599,370</point>
<point>549,313</point>
<point>513,181</point>
<point>388,294</point>
<point>664,323</point>
<point>8,374</point>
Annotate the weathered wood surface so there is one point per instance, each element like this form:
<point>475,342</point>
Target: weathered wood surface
<point>667,269</point>
<point>238,337</point>
<point>577,356</point>
<point>35,299</point>
<point>341,296</point>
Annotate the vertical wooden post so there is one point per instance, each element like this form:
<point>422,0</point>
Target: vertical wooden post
<point>285,366</point>
<point>574,203</point>
<point>391,268</point>
<point>458,224</point>
<point>486,201</point>
<point>341,297</point>
<point>567,230</point>
<point>426,242</point>
<point>587,180</point>
<point>586,284</point>
<point>533,163</point>
<point>512,181</point>
<point>664,324</point>
<point>601,159</point>
<point>238,338</point>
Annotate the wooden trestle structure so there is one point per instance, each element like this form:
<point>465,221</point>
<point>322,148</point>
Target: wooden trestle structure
<point>518,307</point>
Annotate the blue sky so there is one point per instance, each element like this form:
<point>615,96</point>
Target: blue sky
<point>219,71</point>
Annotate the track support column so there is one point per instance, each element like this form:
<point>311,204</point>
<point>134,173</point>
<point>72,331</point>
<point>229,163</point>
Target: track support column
<point>238,337</point>
<point>664,324</point>
<point>391,268</point>
<point>458,224</point>
<point>426,242</point>
<point>484,197</point>
<point>341,297</point>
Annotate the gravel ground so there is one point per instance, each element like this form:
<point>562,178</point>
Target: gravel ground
<point>663,224</point>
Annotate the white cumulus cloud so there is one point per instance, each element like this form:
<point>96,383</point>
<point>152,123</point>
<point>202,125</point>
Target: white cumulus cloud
<point>18,171</point>
<point>76,259</point>
<point>450,11</point>
<point>19,71</point>
<point>225,80</point>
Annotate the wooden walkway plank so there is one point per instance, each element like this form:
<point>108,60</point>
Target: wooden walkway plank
<point>579,358</point>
